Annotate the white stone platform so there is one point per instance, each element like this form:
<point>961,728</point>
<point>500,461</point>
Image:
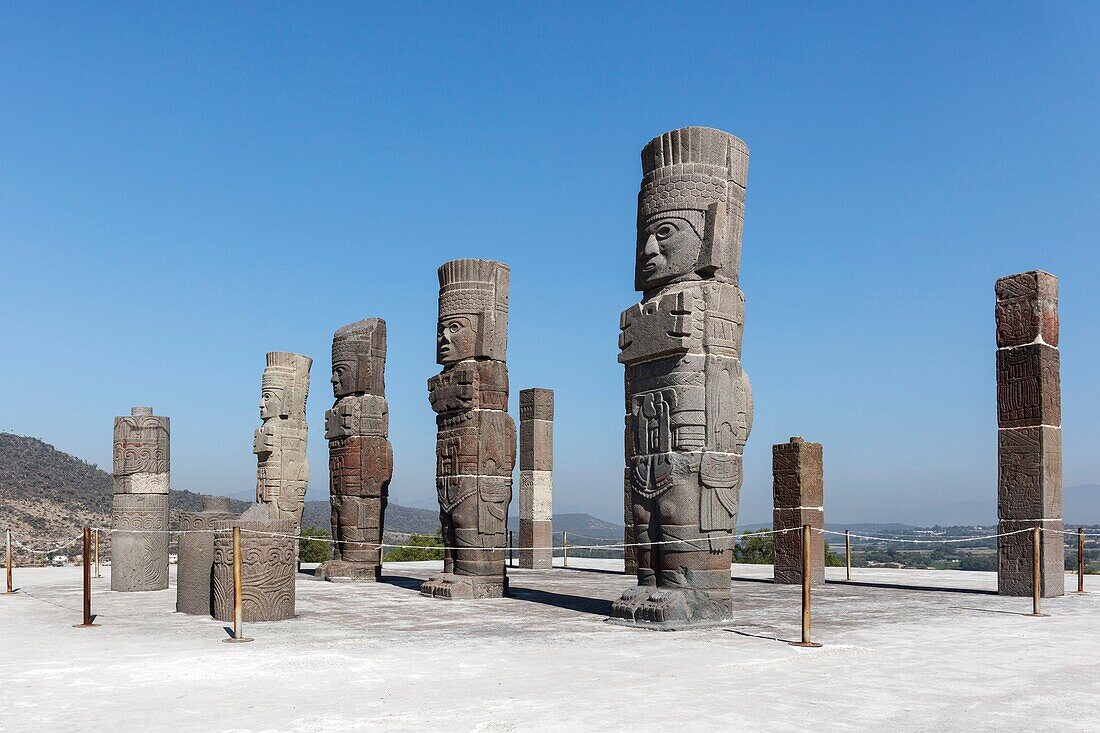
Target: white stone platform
<point>382,657</point>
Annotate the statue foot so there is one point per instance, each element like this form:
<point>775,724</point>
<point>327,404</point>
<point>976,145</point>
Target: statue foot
<point>679,607</point>
<point>342,571</point>
<point>627,606</point>
<point>449,586</point>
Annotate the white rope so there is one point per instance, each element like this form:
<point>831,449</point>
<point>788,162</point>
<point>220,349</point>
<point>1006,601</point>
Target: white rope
<point>33,551</point>
<point>923,542</point>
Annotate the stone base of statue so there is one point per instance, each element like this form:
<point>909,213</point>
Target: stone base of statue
<point>268,567</point>
<point>341,571</point>
<point>672,609</point>
<point>195,566</point>
<point>451,587</point>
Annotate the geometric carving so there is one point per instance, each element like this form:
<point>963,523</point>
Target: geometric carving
<point>139,560</point>
<point>475,438</point>
<point>282,472</point>
<point>195,568</point>
<point>688,401</point>
<point>536,464</point>
<point>1029,435</point>
<point>360,455</point>
<point>267,569</point>
<point>798,495</point>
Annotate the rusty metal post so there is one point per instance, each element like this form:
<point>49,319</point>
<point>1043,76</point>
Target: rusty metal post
<point>238,609</point>
<point>87,568</point>
<point>10,589</point>
<point>1080,559</point>
<point>807,572</point>
<point>564,549</point>
<point>1036,571</point>
<point>97,554</point>
<point>848,554</point>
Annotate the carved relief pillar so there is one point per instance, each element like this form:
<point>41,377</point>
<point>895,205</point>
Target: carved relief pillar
<point>536,485</point>
<point>139,511</point>
<point>1029,432</point>
<point>798,491</point>
<point>194,570</point>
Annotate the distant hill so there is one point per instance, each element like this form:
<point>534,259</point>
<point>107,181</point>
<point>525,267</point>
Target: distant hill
<point>581,525</point>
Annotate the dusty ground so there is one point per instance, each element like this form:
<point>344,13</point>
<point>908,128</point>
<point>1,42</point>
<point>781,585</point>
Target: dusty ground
<point>904,650</point>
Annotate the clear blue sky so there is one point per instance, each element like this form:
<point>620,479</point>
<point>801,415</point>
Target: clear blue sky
<point>186,187</point>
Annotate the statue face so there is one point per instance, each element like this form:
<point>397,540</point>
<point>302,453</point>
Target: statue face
<point>271,402</point>
<point>456,339</point>
<point>344,377</point>
<point>668,249</point>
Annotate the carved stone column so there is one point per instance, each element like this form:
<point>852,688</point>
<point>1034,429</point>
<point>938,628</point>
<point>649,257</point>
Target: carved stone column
<point>139,512</point>
<point>798,491</point>
<point>194,569</point>
<point>476,437</point>
<point>268,567</point>
<point>689,403</point>
<point>282,472</point>
<point>360,456</point>
<point>536,484</point>
<point>1029,432</point>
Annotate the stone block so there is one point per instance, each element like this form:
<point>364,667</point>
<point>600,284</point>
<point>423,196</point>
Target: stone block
<point>356,415</point>
<point>360,466</point>
<point>1027,309</point>
<point>536,541</point>
<point>195,567</point>
<point>1028,387</point>
<point>268,567</point>
<point>139,542</point>
<point>798,475</point>
<point>788,557</point>
<point>536,445</point>
<point>536,403</point>
<point>1015,558</point>
<point>481,385</point>
<point>690,318</point>
<point>536,495</point>
<point>476,443</point>
<point>1029,477</point>
<point>359,358</point>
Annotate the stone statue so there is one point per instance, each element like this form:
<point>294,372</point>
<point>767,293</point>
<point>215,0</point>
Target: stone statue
<point>476,438</point>
<point>360,456</point>
<point>689,404</point>
<point>1029,433</point>
<point>268,566</point>
<point>798,494</point>
<point>139,559</point>
<point>536,482</point>
<point>280,442</point>
<point>194,570</point>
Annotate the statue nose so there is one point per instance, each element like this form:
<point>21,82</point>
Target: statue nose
<point>651,249</point>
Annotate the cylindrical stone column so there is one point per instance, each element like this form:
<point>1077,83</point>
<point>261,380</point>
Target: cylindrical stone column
<point>1029,433</point>
<point>268,566</point>
<point>139,510</point>
<point>798,491</point>
<point>536,485</point>
<point>194,570</point>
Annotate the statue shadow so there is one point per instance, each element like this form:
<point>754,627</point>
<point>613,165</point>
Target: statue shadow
<point>402,581</point>
<point>760,636</point>
<point>600,571</point>
<point>580,604</point>
<point>904,586</point>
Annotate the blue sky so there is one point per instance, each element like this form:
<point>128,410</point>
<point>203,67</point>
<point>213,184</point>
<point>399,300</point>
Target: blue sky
<point>184,188</point>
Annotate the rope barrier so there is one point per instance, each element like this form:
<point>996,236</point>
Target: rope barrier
<point>33,551</point>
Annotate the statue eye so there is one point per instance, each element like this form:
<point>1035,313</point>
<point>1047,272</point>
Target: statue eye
<point>454,328</point>
<point>665,230</point>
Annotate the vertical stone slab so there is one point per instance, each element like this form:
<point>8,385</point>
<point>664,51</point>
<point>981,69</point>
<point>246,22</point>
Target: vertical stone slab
<point>798,493</point>
<point>195,567</point>
<point>688,401</point>
<point>1029,433</point>
<point>139,509</point>
<point>268,567</point>
<point>536,485</point>
<point>475,438</point>
<point>282,472</point>
<point>360,455</point>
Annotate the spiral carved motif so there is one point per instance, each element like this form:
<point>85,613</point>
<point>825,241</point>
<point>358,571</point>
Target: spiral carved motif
<point>268,566</point>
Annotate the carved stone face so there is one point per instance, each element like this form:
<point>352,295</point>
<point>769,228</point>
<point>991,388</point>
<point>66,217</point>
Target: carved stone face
<point>345,375</point>
<point>271,402</point>
<point>668,250</point>
<point>456,339</point>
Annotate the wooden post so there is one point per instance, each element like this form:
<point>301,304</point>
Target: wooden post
<point>10,589</point>
<point>848,554</point>
<point>806,578</point>
<point>97,554</point>
<point>564,549</point>
<point>238,610</point>
<point>510,548</point>
<point>87,568</point>
<point>1036,571</point>
<point>1080,560</point>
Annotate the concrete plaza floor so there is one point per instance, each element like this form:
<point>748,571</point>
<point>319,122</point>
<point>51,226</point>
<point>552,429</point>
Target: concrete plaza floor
<point>904,650</point>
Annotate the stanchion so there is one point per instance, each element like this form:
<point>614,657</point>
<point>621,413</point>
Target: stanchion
<point>10,589</point>
<point>1080,560</point>
<point>87,567</point>
<point>238,611</point>
<point>848,554</point>
<point>1036,573</point>
<point>510,548</point>
<point>564,549</point>
<point>97,554</point>
<point>806,577</point>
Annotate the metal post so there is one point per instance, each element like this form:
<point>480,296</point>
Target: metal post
<point>87,567</point>
<point>1080,561</point>
<point>564,549</point>
<point>10,589</point>
<point>806,578</point>
<point>97,554</point>
<point>1036,574</point>
<point>509,548</point>
<point>238,611</point>
<point>848,554</point>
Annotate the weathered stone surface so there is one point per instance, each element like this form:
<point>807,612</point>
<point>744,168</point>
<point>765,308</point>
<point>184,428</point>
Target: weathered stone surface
<point>282,474</point>
<point>788,545</point>
<point>195,568</point>
<point>1029,435</point>
<point>360,455</point>
<point>268,566</point>
<point>536,464</point>
<point>139,559</point>
<point>798,495</point>
<point>688,402</point>
<point>476,438</point>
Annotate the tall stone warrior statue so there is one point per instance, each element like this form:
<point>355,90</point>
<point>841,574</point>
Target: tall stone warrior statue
<point>360,456</point>
<point>688,402</point>
<point>476,438</point>
<point>139,511</point>
<point>282,474</point>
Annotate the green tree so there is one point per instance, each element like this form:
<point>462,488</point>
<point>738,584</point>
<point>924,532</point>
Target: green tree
<point>314,551</point>
<point>755,549</point>
<point>833,560</point>
<point>423,547</point>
